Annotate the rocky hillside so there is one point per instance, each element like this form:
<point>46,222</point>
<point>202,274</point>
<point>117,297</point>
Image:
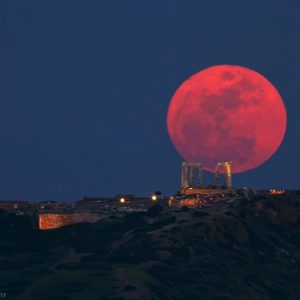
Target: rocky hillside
<point>242,250</point>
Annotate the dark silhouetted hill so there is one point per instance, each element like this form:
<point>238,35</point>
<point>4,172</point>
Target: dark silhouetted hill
<point>243,250</point>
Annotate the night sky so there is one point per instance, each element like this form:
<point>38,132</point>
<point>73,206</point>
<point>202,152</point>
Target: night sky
<point>85,86</point>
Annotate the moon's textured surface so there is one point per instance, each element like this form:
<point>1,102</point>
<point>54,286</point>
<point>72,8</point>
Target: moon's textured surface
<point>227,113</point>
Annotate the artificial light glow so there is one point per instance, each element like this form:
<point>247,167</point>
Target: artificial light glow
<point>276,192</point>
<point>122,200</point>
<point>154,198</point>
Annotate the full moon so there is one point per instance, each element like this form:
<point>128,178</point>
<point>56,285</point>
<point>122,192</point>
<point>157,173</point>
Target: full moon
<point>226,113</point>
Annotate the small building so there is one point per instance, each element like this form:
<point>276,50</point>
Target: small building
<point>52,206</point>
<point>93,204</point>
<point>276,192</point>
<point>14,206</point>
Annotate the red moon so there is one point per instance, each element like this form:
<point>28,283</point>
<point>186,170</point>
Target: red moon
<point>226,113</point>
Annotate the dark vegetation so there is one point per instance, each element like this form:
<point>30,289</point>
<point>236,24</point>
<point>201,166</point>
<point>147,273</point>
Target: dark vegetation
<point>245,250</point>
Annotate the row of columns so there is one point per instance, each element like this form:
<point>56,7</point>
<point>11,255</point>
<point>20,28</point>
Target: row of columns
<point>188,174</point>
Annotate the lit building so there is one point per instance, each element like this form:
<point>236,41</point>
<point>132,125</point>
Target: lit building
<point>276,192</point>
<point>194,193</point>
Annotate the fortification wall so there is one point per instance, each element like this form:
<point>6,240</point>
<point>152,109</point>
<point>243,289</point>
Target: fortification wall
<point>52,220</point>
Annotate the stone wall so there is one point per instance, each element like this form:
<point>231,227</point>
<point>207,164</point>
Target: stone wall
<point>52,220</point>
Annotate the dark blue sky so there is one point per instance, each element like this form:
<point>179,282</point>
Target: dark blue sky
<point>85,86</point>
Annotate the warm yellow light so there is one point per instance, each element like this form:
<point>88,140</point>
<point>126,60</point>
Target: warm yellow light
<point>122,200</point>
<point>154,198</point>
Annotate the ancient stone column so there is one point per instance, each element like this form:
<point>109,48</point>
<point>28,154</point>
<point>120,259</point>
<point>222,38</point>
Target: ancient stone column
<point>200,183</point>
<point>228,179</point>
<point>217,175</point>
<point>191,183</point>
<point>184,175</point>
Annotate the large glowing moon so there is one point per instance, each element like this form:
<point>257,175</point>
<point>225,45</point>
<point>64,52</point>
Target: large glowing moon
<point>227,113</point>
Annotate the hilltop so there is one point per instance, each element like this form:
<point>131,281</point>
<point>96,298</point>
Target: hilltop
<point>240,250</point>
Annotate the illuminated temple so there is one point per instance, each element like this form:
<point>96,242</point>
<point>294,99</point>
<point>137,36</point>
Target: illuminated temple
<point>192,191</point>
